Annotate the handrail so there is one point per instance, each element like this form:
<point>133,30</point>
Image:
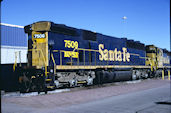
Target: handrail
<point>53,63</point>
<point>95,53</point>
<point>15,62</point>
<point>90,50</point>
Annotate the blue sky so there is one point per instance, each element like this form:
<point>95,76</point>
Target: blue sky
<point>148,21</point>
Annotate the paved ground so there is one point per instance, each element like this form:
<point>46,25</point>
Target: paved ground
<point>120,98</point>
<point>127,103</point>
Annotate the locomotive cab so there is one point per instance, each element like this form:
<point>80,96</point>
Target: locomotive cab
<point>36,75</point>
<point>38,45</point>
<point>154,58</point>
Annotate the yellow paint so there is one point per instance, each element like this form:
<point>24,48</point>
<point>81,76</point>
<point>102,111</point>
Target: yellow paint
<point>168,74</point>
<point>50,87</point>
<point>120,56</point>
<point>88,49</point>
<point>113,55</point>
<point>41,26</point>
<point>55,50</point>
<point>71,44</point>
<point>134,54</point>
<point>98,66</point>
<point>101,46</point>
<point>14,67</point>
<point>71,54</point>
<point>48,80</point>
<point>53,63</point>
<point>44,61</point>
<point>33,77</point>
<point>15,63</point>
<point>81,82</point>
<point>162,74</point>
<point>155,57</point>
<point>40,49</point>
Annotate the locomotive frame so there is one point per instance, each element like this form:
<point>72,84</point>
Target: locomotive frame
<point>51,66</point>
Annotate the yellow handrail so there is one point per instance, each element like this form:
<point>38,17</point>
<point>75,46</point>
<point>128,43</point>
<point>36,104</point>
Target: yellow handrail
<point>96,51</point>
<point>15,63</point>
<point>53,63</point>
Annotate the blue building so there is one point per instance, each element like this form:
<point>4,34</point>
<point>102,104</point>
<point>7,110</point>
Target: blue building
<point>13,49</point>
<point>13,42</point>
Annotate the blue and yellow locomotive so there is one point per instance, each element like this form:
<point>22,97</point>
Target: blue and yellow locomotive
<point>59,55</point>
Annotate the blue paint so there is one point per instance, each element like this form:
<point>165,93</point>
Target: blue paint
<point>110,43</point>
<point>13,36</point>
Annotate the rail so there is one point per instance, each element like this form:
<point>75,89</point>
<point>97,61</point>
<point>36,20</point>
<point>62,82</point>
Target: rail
<point>88,58</point>
<point>77,62</point>
<point>16,58</point>
<point>53,63</point>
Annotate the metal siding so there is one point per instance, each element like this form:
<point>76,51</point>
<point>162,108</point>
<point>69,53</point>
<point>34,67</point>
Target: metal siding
<point>59,44</point>
<point>136,60</point>
<point>8,54</point>
<point>109,42</point>
<point>13,36</point>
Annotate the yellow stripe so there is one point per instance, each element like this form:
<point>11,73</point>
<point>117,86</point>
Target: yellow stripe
<point>134,54</point>
<point>55,50</point>
<point>87,49</point>
<point>33,77</point>
<point>98,66</point>
<point>50,86</point>
<point>48,79</point>
<point>81,82</point>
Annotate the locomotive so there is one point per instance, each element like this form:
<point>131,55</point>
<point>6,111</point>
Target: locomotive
<point>60,56</point>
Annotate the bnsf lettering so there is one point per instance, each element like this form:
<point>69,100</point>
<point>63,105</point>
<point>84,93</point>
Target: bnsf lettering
<point>71,54</point>
<point>39,35</point>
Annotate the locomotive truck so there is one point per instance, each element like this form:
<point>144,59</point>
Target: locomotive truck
<point>60,56</point>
